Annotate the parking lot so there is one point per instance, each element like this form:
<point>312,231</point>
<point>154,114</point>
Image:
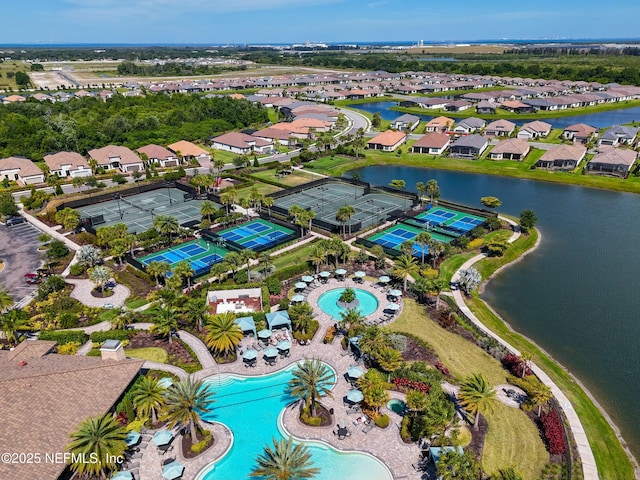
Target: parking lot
<point>20,254</point>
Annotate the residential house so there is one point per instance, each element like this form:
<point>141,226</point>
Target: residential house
<point>486,108</point>
<point>387,141</point>
<point>159,155</point>
<point>21,170</point>
<point>562,157</point>
<point>535,129</point>
<point>284,137</point>
<point>500,128</point>
<point>510,149</point>
<point>458,106</point>
<point>241,143</point>
<point>431,103</point>
<point>618,135</point>
<point>43,97</point>
<point>406,122</point>
<point>116,156</point>
<point>440,124</point>
<point>580,132</point>
<point>469,125</point>
<point>67,164</point>
<point>469,146</point>
<point>616,162</point>
<point>189,151</point>
<point>433,143</point>
<point>516,106</point>
<point>14,99</point>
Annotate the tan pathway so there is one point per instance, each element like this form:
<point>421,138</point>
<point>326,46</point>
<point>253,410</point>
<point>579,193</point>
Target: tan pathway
<point>82,293</point>
<point>589,467</point>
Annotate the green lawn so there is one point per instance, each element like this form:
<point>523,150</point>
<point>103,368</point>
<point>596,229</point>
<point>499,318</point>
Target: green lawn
<point>136,302</point>
<point>293,257</point>
<point>553,137</point>
<point>451,264</point>
<point>263,188</point>
<point>292,180</point>
<point>513,439</point>
<point>154,354</point>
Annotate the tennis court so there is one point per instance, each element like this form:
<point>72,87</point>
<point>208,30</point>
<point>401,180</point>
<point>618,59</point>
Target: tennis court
<point>138,211</point>
<point>457,223</point>
<point>257,235</point>
<point>393,237</point>
<point>370,208</point>
<point>200,254</point>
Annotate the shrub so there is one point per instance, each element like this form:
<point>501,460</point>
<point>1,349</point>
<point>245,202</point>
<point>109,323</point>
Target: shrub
<point>283,304</point>
<point>273,285</point>
<point>136,425</point>
<point>202,444</point>
<point>68,320</point>
<point>289,272</point>
<point>553,432</point>
<point>77,269</point>
<point>515,365</point>
<point>329,335</point>
<point>311,331</point>
<point>382,421</point>
<point>405,432</point>
<point>477,243</point>
<point>266,305</point>
<point>54,283</point>
<point>404,384</point>
<point>307,419</point>
<point>348,295</point>
<point>63,337</point>
<point>397,341</point>
<point>70,348</point>
<point>101,337</point>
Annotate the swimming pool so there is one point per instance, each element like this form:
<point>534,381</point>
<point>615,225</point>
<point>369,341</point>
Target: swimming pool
<point>250,407</point>
<point>328,302</point>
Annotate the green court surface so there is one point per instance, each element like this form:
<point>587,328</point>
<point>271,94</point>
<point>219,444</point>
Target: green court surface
<point>258,235</point>
<point>457,223</point>
<point>393,237</point>
<point>200,254</point>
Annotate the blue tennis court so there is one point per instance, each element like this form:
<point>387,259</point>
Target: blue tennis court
<point>257,235</point>
<point>200,254</point>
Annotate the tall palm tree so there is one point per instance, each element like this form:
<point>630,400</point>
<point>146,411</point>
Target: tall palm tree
<point>195,311</point>
<point>148,397</point>
<point>224,334</point>
<point>311,380</point>
<point>265,262</point>
<point>477,396</point>
<point>165,323</point>
<point>421,188</point>
<point>233,261</point>
<point>350,317</point>
<point>285,461</point>
<point>6,300</point>
<point>423,239</point>
<point>268,202</point>
<point>389,360</point>
<point>342,216</point>
<point>317,256</point>
<point>245,203</point>
<point>183,269</point>
<point>417,401</point>
<point>166,225</point>
<point>100,275</point>
<point>100,438</point>
<point>185,402</point>
<point>404,267</point>
<point>436,287</point>
<point>247,255</point>
<point>208,208</point>
<point>435,250</point>
<point>433,190</point>
<point>13,321</point>
<point>540,395</point>
<point>157,270</point>
<point>301,315</point>
<point>373,341</point>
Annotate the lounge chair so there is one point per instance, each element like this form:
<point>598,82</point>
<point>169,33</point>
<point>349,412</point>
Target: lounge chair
<point>353,410</point>
<point>368,427</point>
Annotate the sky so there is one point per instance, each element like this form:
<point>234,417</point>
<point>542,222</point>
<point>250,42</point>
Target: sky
<point>296,21</point>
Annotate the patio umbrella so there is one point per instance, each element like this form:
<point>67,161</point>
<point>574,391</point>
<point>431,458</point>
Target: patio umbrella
<point>307,278</point>
<point>123,475</point>
<point>341,271</point>
<point>132,438</point>
<point>172,470</point>
<point>325,274</point>
<point>300,285</point>
<point>270,352</point>
<point>266,333</point>
<point>359,274</point>
<point>162,437</point>
<point>392,306</point>
<point>297,298</point>
<point>384,279</point>
<point>355,396</point>
<point>250,354</point>
<point>355,372</point>
<point>284,345</point>
<point>395,293</point>
<point>165,382</point>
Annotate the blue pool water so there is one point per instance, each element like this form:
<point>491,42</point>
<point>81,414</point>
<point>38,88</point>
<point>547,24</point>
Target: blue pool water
<point>328,302</point>
<point>250,407</point>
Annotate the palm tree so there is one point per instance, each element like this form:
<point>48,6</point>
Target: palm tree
<point>435,250</point>
<point>301,315</point>
<point>183,269</point>
<point>121,321</point>
<point>404,267</point>
<point>148,397</point>
<point>157,270</point>
<point>268,202</point>
<point>421,188</point>
<point>417,401</point>
<point>317,256</point>
<point>423,239</point>
<point>506,474</point>
<point>245,203</point>
<point>13,321</point>
<point>311,380</point>
<point>285,461</point>
<point>224,334</point>
<point>166,225</point>
<point>389,360</point>
<point>185,402</point>
<point>433,190</point>
<point>265,262</point>
<point>100,438</point>
<point>540,395</point>
<point>526,360</point>
<point>208,208</point>
<point>165,323</point>
<point>195,311</point>
<point>342,216</point>
<point>373,341</point>
<point>6,300</point>
<point>233,261</point>
<point>218,163</point>
<point>477,396</point>
<point>229,198</point>
<point>350,318</point>
<point>247,255</point>
<point>436,287</point>
<point>100,275</point>
<point>454,465</point>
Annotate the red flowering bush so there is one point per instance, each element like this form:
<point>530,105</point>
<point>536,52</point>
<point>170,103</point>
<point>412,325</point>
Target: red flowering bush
<point>553,432</point>
<point>406,384</point>
<point>442,368</point>
<point>515,365</point>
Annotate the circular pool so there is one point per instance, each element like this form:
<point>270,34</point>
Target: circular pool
<point>328,302</point>
<point>397,406</point>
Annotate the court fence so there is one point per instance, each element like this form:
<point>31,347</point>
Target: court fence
<point>392,252</point>
<point>105,197</point>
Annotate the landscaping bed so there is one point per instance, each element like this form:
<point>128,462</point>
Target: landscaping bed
<point>204,443</point>
<point>178,354</point>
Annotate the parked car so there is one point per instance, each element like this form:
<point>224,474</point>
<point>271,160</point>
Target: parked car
<point>15,221</point>
<point>31,278</point>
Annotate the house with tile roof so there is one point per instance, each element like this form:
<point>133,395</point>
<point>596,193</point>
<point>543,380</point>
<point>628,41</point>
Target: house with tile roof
<point>45,397</point>
<point>510,149</point>
<point>580,132</point>
<point>68,164</point>
<point>433,143</point>
<point>439,124</point>
<point>562,157</point>
<point>241,143</point>
<point>21,170</point>
<point>535,129</point>
<point>116,157</point>
<point>159,155</point>
<point>387,141</point>
<point>469,125</point>
<point>500,128</point>
<point>189,151</point>
<point>616,162</point>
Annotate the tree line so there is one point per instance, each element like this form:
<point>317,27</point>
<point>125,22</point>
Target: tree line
<point>170,69</point>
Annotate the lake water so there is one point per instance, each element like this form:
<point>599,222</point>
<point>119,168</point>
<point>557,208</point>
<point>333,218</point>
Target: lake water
<point>577,295</point>
<point>599,119</point>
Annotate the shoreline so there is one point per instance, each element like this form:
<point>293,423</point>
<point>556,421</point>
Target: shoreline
<point>580,384</point>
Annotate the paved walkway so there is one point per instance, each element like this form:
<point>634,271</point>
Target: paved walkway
<point>199,348</point>
<point>589,467</point>
<point>82,293</point>
<point>48,230</point>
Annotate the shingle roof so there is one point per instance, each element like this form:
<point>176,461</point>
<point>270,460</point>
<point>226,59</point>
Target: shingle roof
<point>240,140</point>
<point>473,122</point>
<point>56,160</point>
<point>48,397</point>
<point>502,125</point>
<point>474,141</point>
<point>407,118</point>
